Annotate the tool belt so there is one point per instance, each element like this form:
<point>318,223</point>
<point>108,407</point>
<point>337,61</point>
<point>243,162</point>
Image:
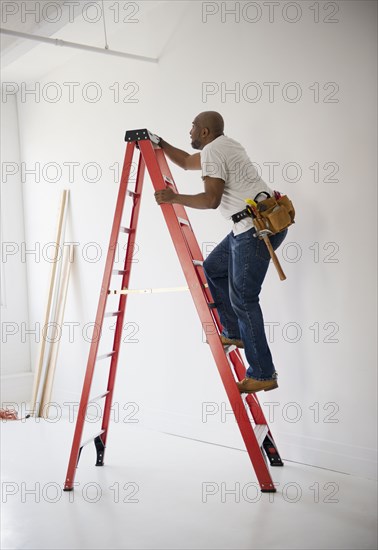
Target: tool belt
<point>239,216</point>
<point>276,213</point>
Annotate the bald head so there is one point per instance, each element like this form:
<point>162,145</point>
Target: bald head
<point>211,120</point>
<point>207,126</point>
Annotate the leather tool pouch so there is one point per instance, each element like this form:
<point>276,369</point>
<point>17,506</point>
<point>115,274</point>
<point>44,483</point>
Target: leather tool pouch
<point>276,214</point>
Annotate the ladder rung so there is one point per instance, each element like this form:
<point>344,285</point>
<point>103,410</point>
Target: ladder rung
<point>112,314</point>
<point>99,397</point>
<point>183,222</point>
<point>101,357</point>
<point>260,432</point>
<point>126,230</point>
<point>132,194</point>
<point>197,262</point>
<point>212,305</point>
<point>168,180</point>
<point>91,439</point>
<point>119,271</point>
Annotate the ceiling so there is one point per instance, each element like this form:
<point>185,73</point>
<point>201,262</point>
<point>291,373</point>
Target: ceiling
<point>141,28</point>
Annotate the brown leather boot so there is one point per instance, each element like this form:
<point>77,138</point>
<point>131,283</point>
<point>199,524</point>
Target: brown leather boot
<point>229,342</point>
<point>250,385</point>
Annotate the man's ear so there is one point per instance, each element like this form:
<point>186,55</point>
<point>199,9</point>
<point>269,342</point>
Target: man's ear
<point>205,132</point>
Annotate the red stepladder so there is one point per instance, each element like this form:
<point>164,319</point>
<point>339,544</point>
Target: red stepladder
<point>248,413</point>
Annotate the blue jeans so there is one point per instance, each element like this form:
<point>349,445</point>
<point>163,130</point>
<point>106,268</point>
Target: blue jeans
<point>235,271</point>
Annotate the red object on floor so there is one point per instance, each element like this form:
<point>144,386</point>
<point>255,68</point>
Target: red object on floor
<point>7,414</point>
<point>249,415</point>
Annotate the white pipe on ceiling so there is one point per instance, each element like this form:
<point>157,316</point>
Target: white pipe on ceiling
<point>64,43</point>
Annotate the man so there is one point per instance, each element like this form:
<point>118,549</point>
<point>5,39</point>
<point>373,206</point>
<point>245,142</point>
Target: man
<point>236,268</point>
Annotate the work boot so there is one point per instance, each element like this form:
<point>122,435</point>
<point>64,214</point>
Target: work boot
<point>231,342</point>
<point>250,385</point>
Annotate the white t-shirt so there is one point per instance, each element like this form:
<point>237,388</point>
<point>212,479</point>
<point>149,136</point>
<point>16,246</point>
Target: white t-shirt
<point>226,159</point>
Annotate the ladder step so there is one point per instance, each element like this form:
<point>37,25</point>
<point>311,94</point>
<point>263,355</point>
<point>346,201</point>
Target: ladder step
<point>91,439</point>
<point>198,262</point>
<point>260,432</point>
<point>183,221</point>
<point>212,305</point>
<point>99,397</point>
<point>168,180</point>
<point>119,271</point>
<point>112,314</point>
<point>126,230</point>
<point>132,194</point>
<point>101,357</point>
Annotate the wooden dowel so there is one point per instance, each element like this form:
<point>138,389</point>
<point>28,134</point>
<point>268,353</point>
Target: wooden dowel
<point>151,290</point>
<point>54,348</point>
<point>41,355</point>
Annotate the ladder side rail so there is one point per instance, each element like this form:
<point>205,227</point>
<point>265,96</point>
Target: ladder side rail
<point>99,318</point>
<point>123,297</point>
<point>197,291</point>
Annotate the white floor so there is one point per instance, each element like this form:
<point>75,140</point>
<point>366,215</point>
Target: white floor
<point>159,491</point>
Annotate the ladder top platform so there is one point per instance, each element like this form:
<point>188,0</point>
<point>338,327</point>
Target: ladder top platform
<point>139,135</point>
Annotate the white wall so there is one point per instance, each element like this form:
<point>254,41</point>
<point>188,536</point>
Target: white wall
<point>15,350</point>
<point>324,410</point>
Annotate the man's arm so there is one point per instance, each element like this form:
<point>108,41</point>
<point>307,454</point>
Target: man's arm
<point>181,158</point>
<point>210,198</point>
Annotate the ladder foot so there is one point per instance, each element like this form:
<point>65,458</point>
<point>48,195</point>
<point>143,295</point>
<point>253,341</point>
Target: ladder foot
<point>268,490</point>
<point>68,489</point>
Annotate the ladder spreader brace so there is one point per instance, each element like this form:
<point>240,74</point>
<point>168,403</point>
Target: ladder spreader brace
<point>249,415</point>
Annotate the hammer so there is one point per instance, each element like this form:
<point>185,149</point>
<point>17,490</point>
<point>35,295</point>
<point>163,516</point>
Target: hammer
<point>263,233</point>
